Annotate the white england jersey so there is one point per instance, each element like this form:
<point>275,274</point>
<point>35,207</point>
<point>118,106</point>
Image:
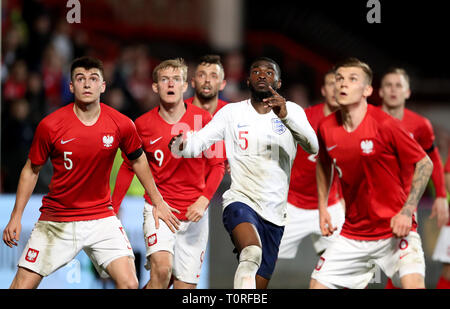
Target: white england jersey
<point>260,150</point>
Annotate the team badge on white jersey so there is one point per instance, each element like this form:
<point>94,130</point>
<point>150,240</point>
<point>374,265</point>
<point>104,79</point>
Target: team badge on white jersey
<point>278,126</point>
<point>108,140</point>
<point>367,146</point>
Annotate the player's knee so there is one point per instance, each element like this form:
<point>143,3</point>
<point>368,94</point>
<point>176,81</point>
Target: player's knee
<point>162,272</point>
<point>251,254</point>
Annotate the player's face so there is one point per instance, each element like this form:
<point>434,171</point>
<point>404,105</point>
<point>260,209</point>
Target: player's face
<point>263,74</point>
<point>394,90</point>
<point>328,89</point>
<point>87,85</point>
<point>208,80</point>
<point>170,85</point>
<point>351,86</point>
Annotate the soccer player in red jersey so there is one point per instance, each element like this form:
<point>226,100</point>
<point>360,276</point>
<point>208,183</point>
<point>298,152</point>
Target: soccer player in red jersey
<point>208,80</point>
<point>181,181</point>
<point>302,196</point>
<point>394,91</point>
<point>369,150</point>
<point>442,250</point>
<point>81,140</point>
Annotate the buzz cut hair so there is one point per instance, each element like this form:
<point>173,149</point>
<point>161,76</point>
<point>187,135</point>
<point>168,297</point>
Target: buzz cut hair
<point>353,62</point>
<point>267,59</point>
<point>87,63</point>
<point>397,70</point>
<point>177,63</point>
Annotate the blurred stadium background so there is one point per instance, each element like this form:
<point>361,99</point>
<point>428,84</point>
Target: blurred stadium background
<point>132,37</point>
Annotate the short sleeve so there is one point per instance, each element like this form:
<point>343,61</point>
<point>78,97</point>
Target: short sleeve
<point>41,145</point>
<point>129,137</point>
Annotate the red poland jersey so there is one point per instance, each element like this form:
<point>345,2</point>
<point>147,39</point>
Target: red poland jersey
<point>218,149</point>
<point>369,162</point>
<point>179,180</point>
<point>420,128</point>
<point>82,157</point>
<point>303,186</point>
<point>447,170</point>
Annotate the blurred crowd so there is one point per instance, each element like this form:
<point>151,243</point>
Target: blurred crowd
<point>37,50</point>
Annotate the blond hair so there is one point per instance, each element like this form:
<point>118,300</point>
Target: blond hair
<point>355,62</point>
<point>177,63</point>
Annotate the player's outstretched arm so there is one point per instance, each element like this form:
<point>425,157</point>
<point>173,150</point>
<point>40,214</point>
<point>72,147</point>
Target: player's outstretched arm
<point>27,183</point>
<point>161,209</point>
<point>401,223</point>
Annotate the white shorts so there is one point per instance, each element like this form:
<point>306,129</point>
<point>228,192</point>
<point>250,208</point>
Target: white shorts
<point>54,244</point>
<point>442,250</point>
<point>187,245</point>
<point>304,222</point>
<point>350,263</point>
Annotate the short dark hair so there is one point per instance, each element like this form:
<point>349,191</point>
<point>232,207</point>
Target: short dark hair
<point>211,59</point>
<point>355,62</point>
<point>87,63</point>
<point>267,59</point>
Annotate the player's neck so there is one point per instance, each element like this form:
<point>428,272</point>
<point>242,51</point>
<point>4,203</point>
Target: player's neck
<point>209,105</point>
<point>172,113</point>
<point>353,115</point>
<point>260,106</point>
<point>395,111</point>
<point>328,109</point>
<point>87,113</point>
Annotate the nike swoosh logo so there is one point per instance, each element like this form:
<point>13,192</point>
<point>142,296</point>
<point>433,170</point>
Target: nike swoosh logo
<point>65,142</point>
<point>154,141</point>
<point>242,125</point>
<point>331,148</point>
<point>401,257</point>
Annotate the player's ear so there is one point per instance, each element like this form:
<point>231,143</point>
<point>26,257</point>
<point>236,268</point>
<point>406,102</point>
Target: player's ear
<point>222,85</point>
<point>71,87</point>
<point>408,94</point>
<point>381,93</point>
<point>185,86</point>
<point>155,87</point>
<point>278,84</point>
<point>368,91</point>
<point>103,87</point>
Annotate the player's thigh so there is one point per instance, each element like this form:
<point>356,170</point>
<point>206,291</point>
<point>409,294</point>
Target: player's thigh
<point>162,239</point>
<point>123,271</point>
<point>105,241</point>
<point>345,264</point>
<point>51,246</point>
<point>442,249</point>
<point>404,258</point>
<point>241,222</point>
<point>190,248</point>
<point>26,279</point>
<point>302,222</point>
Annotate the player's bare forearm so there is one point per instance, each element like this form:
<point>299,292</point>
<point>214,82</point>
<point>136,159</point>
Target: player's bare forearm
<point>142,170</point>
<point>422,173</point>
<point>27,183</point>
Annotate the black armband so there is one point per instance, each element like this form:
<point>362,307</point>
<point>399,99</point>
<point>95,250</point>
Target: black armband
<point>135,154</point>
<point>431,148</point>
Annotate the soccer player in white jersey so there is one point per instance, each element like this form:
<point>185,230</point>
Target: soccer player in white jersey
<point>81,139</point>
<point>261,136</point>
